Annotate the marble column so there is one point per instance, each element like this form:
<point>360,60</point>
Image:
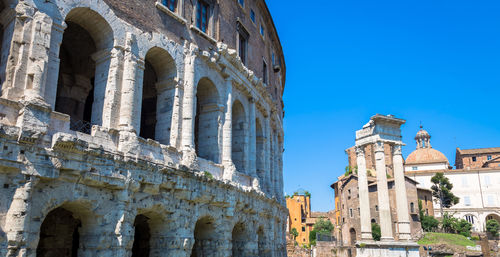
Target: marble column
<point>401,198</point>
<point>383,193</point>
<point>188,105</point>
<point>131,99</point>
<point>364,199</point>
<point>177,114</point>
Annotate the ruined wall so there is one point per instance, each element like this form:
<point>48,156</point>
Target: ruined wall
<point>102,130</point>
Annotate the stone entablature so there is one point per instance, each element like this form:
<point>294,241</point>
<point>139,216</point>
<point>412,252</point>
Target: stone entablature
<point>97,114</point>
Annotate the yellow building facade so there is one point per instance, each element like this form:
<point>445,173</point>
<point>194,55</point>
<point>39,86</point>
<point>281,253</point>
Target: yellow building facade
<point>299,210</point>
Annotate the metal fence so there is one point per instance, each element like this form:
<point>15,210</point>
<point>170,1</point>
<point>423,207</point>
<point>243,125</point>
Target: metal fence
<point>325,238</point>
<point>80,126</point>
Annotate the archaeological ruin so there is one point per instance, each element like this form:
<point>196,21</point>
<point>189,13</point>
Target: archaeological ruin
<point>141,128</point>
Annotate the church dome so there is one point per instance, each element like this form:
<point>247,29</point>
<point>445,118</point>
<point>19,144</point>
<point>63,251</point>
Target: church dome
<point>426,156</point>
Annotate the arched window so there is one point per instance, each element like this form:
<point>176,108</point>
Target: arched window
<point>59,235</point>
<point>204,238</point>
<point>239,136</point>
<point>142,236</point>
<point>158,92</point>
<point>239,240</point>
<point>207,117</point>
<point>82,80</point>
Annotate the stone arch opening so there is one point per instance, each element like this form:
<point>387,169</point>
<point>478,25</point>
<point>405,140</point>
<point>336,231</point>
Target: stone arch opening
<point>259,158</point>
<point>84,64</point>
<point>142,237</point>
<point>493,216</point>
<point>208,112</point>
<point>158,93</point>
<point>261,243</point>
<point>352,236</point>
<point>239,240</point>
<point>239,136</point>
<point>204,235</point>
<point>59,234</point>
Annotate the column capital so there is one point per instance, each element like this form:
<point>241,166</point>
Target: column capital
<point>360,150</point>
<point>397,149</point>
<point>379,146</point>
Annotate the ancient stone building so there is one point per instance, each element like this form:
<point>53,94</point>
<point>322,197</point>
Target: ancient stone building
<point>477,158</point>
<point>141,128</point>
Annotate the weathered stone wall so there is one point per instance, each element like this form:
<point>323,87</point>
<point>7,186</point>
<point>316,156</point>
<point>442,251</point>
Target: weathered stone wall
<point>124,134</point>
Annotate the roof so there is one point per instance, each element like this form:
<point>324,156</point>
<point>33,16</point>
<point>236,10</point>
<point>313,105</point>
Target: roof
<point>450,171</point>
<point>479,150</point>
<point>426,156</point>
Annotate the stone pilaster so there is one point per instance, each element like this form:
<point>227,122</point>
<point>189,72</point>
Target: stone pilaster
<point>267,154</point>
<point>383,193</point>
<point>364,199</point>
<point>18,218</point>
<point>401,198</point>
<point>106,99</point>
<point>188,105</point>
<point>38,60</point>
<point>131,95</point>
<point>227,133</point>
<point>175,131</point>
<point>252,145</point>
<point>54,63</point>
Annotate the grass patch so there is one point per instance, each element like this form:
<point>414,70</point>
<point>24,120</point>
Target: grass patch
<point>432,238</point>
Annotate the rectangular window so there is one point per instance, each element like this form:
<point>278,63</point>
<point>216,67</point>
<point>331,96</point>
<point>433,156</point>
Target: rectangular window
<point>491,200</point>
<point>467,201</point>
<point>261,30</point>
<point>488,157</point>
<point>350,213</point>
<point>414,168</point>
<point>465,182</point>
<point>242,42</point>
<point>303,229</point>
<point>242,3</point>
<point>272,59</point>
<point>474,158</point>
<point>252,15</point>
<point>170,4</point>
<point>487,181</point>
<point>264,72</point>
<point>202,16</point>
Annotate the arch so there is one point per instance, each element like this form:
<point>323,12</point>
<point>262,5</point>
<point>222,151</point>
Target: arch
<point>352,236</point>
<point>260,155</point>
<point>62,229</point>
<point>261,243</point>
<point>239,239</point>
<point>204,238</point>
<point>158,92</point>
<point>142,236</point>
<point>239,136</point>
<point>84,67</point>
<point>208,113</point>
<point>492,216</point>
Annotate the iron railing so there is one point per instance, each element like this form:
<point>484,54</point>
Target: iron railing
<point>80,126</point>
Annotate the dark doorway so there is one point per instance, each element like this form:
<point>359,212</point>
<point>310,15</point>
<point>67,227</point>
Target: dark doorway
<point>59,235</point>
<point>142,237</point>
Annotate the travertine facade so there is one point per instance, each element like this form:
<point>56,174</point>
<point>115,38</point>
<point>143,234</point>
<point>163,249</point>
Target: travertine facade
<point>140,128</point>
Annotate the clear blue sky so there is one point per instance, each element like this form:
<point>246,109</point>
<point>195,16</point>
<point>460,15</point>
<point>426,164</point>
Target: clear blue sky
<point>435,62</point>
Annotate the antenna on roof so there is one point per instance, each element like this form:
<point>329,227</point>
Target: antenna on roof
<point>421,125</point>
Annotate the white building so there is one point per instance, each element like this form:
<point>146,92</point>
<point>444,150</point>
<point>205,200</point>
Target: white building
<point>478,189</point>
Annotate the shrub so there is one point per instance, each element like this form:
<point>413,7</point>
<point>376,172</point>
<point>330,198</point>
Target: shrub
<point>429,223</point>
<point>376,234</point>
<point>462,227</point>
<point>492,226</point>
<point>208,174</point>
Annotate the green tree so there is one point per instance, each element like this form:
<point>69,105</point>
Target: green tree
<point>376,234</point>
<point>321,227</point>
<point>294,233</point>
<point>441,190</point>
<point>493,226</point>
<point>447,223</point>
